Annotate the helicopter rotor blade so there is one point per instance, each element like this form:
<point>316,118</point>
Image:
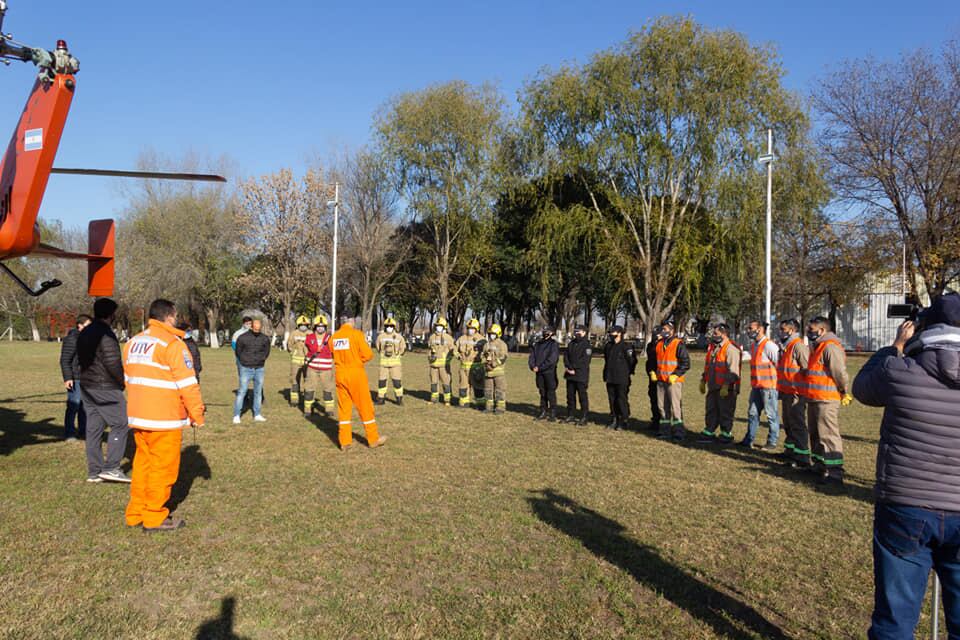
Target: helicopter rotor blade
<point>158,175</point>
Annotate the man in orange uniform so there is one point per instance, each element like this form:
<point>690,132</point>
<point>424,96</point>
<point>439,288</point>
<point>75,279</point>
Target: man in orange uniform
<point>350,353</point>
<point>673,362</point>
<point>163,397</point>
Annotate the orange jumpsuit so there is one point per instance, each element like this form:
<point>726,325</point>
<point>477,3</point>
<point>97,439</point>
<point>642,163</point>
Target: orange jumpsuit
<point>163,397</point>
<point>350,353</point>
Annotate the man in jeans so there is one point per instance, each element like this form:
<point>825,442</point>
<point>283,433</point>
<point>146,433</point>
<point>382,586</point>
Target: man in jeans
<point>75,419</point>
<point>101,387</point>
<point>253,349</point>
<point>916,523</point>
<point>764,354</point>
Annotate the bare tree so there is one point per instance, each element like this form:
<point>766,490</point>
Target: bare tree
<point>893,135</point>
<point>284,223</point>
<point>374,243</point>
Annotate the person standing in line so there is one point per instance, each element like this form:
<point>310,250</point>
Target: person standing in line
<point>391,346</point>
<point>75,418</point>
<point>619,364</point>
<point>296,346</point>
<point>764,355</point>
<point>467,350</point>
<point>253,349</point>
<point>319,363</point>
<point>495,353</point>
<point>721,384</point>
<point>543,361</point>
<point>576,371</point>
<point>101,387</point>
<point>651,367</point>
<point>825,386</point>
<point>673,362</point>
<point>794,357</point>
<point>441,347</point>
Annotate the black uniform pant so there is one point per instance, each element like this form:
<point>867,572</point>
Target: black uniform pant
<point>547,385</point>
<point>619,406</point>
<point>577,389</point>
<point>655,415</point>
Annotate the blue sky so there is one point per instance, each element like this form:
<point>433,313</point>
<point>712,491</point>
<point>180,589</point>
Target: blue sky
<point>274,84</point>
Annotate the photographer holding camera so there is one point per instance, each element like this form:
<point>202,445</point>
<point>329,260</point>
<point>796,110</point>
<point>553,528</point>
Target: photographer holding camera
<point>917,515</point>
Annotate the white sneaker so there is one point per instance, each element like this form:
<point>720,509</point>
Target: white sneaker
<point>236,419</point>
<point>259,419</point>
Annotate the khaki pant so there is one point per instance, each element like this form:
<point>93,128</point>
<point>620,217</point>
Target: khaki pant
<point>467,384</point>
<point>319,382</point>
<point>669,400</point>
<point>823,419</point>
<point>495,393</point>
<point>393,373</point>
<point>719,412</point>
<point>794,410</point>
<point>298,375</point>
<point>440,384</point>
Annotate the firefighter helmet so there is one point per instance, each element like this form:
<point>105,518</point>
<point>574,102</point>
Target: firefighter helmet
<point>441,322</point>
<point>390,322</point>
<point>496,330</point>
<point>321,320</point>
<point>473,323</point>
<point>302,320</point>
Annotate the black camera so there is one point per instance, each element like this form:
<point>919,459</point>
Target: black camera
<point>911,309</point>
<point>905,311</point>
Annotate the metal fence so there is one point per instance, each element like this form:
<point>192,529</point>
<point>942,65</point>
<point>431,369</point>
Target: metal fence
<point>864,326</point>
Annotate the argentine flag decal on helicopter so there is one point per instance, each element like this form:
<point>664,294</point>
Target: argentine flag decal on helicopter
<point>33,139</point>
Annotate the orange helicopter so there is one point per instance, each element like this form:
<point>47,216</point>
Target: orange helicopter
<point>28,163</point>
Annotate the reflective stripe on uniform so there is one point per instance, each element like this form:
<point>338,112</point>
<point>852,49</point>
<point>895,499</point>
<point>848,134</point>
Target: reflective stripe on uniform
<point>763,373</point>
<point>157,424</point>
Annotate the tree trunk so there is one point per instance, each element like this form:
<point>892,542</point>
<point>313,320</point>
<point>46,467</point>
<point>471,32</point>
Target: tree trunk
<point>213,317</point>
<point>34,331</point>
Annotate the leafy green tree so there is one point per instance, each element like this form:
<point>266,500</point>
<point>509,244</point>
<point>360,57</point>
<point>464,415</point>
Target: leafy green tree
<point>443,143</point>
<point>663,133</point>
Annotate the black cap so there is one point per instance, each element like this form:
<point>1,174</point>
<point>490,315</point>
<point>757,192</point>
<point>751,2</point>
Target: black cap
<point>616,329</point>
<point>548,329</point>
<point>104,308</point>
<point>580,327</point>
<point>944,310</point>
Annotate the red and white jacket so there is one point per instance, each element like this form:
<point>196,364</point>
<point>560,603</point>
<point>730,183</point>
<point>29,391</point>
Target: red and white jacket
<point>319,353</point>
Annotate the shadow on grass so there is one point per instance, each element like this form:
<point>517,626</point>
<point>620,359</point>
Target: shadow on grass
<point>221,627</point>
<point>16,432</point>
<point>755,460</point>
<point>605,538</point>
<point>60,394</point>
<point>193,465</point>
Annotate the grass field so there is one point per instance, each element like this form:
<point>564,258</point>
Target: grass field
<point>463,526</point>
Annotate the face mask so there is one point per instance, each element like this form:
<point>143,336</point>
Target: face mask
<point>471,331</point>
<point>389,329</point>
<point>301,327</point>
<point>813,336</point>
<point>785,337</point>
<point>716,339</point>
<point>438,330</point>
<point>491,336</point>
<point>321,329</point>
<point>753,334</point>
<point>580,334</point>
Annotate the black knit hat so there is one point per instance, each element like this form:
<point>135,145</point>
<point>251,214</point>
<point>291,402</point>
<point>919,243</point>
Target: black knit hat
<point>944,310</point>
<point>616,329</point>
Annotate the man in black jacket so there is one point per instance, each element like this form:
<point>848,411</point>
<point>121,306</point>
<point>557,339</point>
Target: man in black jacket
<point>253,349</point>
<point>651,366</point>
<point>576,370</point>
<point>619,363</point>
<point>916,523</point>
<point>543,362</point>
<point>75,419</point>
<point>192,347</point>
<point>101,387</point>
